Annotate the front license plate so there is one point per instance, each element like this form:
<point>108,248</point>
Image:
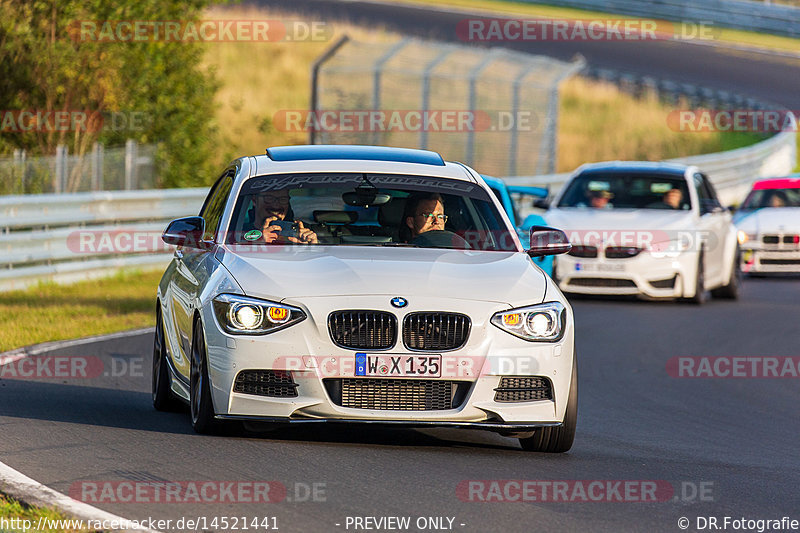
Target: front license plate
<point>599,267</point>
<point>405,365</point>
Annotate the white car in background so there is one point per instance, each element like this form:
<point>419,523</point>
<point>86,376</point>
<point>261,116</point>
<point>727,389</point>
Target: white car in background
<point>655,230</point>
<point>769,226</point>
<point>343,311</point>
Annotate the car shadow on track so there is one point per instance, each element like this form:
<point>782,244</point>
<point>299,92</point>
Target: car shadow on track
<point>345,433</point>
<point>91,406</point>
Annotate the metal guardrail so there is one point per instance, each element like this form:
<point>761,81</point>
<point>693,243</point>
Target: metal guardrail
<point>67,237</point>
<point>731,172</point>
<point>739,14</point>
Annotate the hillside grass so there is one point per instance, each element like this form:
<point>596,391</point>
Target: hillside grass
<point>597,121</point>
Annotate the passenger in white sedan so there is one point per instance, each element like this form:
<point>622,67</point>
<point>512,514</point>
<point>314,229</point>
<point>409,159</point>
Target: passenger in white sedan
<point>272,207</point>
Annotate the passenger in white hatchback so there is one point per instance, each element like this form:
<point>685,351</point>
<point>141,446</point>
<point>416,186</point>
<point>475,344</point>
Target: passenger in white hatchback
<point>271,216</point>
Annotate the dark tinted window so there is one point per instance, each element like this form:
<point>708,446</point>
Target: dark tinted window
<point>215,205</point>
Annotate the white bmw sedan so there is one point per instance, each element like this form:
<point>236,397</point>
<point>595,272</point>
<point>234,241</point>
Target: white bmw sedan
<point>769,227</point>
<point>328,284</point>
<point>655,230</point>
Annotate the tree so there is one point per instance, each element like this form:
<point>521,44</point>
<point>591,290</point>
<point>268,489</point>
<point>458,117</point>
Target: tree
<point>109,87</point>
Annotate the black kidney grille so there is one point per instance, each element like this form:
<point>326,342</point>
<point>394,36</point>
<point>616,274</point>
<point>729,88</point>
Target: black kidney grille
<point>277,383</point>
<point>622,252</point>
<point>579,250</point>
<point>523,389</point>
<point>435,331</point>
<point>397,394</point>
<point>363,330</point>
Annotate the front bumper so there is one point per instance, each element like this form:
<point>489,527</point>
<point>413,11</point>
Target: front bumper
<point>758,260</point>
<point>642,275</point>
<point>307,352</point>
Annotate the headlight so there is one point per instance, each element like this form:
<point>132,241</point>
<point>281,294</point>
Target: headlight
<point>242,315</point>
<point>536,323</point>
<point>743,236</point>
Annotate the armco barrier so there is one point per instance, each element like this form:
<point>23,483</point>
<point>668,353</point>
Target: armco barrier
<point>38,239</point>
<point>41,234</point>
<point>740,14</point>
<point>731,172</point>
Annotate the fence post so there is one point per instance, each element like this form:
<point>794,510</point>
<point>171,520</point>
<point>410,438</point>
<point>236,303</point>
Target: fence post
<point>329,53</point>
<point>514,141</point>
<point>377,70</point>
<point>130,164</point>
<point>426,92</point>
<point>473,99</point>
<point>97,167</point>
<point>19,164</point>
<point>60,184</point>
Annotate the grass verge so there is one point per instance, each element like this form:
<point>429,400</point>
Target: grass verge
<point>14,514</point>
<point>51,312</point>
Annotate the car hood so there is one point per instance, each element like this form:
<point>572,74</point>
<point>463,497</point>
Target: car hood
<point>653,225</point>
<point>278,272</point>
<point>769,220</point>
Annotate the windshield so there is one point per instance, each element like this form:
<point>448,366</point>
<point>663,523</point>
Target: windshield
<point>626,191</point>
<point>367,210</point>
<point>772,198</point>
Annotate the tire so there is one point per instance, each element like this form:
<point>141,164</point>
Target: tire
<point>733,288</point>
<point>558,439</point>
<point>163,399</point>
<point>700,295</point>
<point>201,405</point>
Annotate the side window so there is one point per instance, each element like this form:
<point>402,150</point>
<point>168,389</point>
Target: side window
<point>215,205</point>
<point>705,193</point>
<point>712,194</point>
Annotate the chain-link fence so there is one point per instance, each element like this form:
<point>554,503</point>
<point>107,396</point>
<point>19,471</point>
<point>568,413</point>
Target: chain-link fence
<point>493,109</point>
<point>129,167</point>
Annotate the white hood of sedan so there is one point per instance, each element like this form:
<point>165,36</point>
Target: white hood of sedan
<point>616,227</point>
<point>769,220</point>
<point>277,272</point>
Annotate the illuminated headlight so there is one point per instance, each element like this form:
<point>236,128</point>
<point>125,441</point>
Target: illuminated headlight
<point>242,315</point>
<point>543,322</point>
<point>744,237</point>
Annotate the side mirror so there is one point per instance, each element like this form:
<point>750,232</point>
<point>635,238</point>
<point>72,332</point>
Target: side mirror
<point>542,203</point>
<point>186,231</point>
<point>548,241</point>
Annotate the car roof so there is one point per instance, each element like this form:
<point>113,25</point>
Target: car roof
<point>777,183</point>
<point>354,158</point>
<point>654,167</point>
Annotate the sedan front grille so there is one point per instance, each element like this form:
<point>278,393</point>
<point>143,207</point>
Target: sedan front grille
<point>363,330</point>
<point>276,383</point>
<point>602,282</point>
<point>396,394</point>
<point>435,331</point>
<point>622,252</point>
<point>523,389</point>
<point>579,250</point>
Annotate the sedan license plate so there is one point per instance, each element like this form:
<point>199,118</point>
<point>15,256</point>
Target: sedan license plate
<point>404,365</point>
<point>599,267</point>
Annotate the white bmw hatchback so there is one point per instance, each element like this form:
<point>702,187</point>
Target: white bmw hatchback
<point>655,230</point>
<point>364,284</point>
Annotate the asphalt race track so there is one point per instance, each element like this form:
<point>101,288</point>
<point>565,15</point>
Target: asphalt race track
<point>720,446</point>
<point>769,78</point>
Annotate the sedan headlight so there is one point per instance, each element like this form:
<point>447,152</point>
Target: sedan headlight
<point>743,236</point>
<point>535,323</point>
<point>242,315</point>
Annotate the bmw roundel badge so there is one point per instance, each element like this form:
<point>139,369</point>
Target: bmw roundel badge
<point>399,302</point>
